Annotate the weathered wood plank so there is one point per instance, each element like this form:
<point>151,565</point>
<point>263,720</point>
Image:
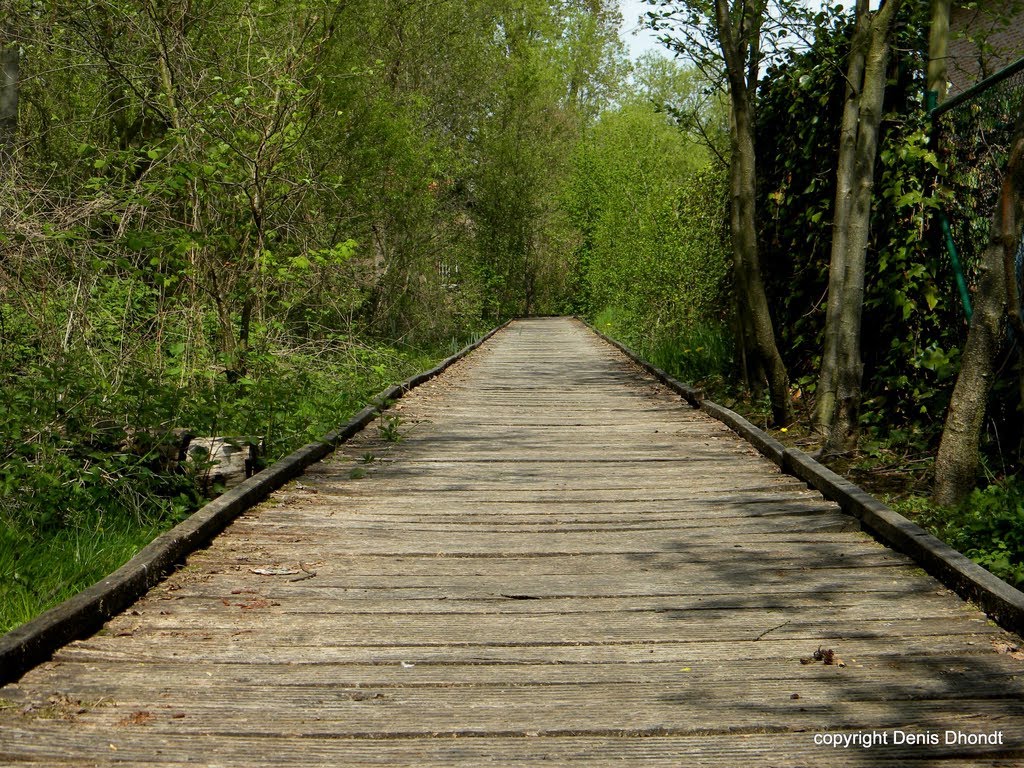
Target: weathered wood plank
<point>559,563</point>
<point>128,745</point>
<point>240,651</point>
<point>868,673</point>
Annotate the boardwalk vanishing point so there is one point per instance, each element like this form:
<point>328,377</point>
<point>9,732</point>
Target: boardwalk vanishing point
<point>558,563</point>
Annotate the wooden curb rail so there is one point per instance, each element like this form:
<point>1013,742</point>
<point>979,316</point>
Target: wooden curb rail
<point>1004,603</point>
<point>36,641</point>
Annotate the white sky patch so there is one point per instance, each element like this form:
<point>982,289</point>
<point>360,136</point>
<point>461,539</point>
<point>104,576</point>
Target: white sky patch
<point>639,38</point>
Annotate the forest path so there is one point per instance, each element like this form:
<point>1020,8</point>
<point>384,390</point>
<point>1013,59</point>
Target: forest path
<point>559,563</point>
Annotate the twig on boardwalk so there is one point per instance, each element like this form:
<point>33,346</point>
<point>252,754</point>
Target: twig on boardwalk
<point>767,631</point>
<point>307,575</point>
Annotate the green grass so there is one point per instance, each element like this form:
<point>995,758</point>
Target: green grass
<point>697,353</point>
<point>40,571</point>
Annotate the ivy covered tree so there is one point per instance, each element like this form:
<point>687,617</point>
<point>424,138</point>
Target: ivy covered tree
<point>996,304</point>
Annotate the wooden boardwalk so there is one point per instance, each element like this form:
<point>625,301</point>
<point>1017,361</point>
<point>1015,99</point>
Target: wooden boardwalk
<point>559,563</point>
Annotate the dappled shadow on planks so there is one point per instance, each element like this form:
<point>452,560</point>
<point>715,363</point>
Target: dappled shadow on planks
<point>557,563</point>
<point>915,695</point>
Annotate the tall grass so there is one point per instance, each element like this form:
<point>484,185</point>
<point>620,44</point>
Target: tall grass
<point>696,353</point>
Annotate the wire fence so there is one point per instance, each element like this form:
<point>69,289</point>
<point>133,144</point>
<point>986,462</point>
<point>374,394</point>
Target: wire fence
<point>972,134</point>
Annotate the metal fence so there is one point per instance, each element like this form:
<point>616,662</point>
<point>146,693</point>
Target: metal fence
<point>972,134</point>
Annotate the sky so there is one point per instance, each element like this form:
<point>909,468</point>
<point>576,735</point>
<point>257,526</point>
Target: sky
<point>644,40</point>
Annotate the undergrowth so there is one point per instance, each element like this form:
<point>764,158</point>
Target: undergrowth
<point>690,353</point>
<point>988,526</point>
<point>81,492</point>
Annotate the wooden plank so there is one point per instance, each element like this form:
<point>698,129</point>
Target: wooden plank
<point>240,651</point>
<point>559,563</point>
<point>812,556</point>
<point>961,675</point>
<point>670,707</point>
<point>127,745</point>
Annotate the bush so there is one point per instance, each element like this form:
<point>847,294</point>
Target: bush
<point>988,527</point>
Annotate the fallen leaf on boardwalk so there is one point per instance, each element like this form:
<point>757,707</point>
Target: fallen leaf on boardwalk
<point>136,718</point>
<point>1011,650</point>
<point>274,571</point>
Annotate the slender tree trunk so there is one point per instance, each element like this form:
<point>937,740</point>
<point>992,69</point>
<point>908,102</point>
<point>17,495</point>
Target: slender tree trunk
<point>10,84</point>
<point>825,395</point>
<point>839,389</point>
<point>938,42</point>
<point>746,262</point>
<point>740,50</point>
<point>956,466</point>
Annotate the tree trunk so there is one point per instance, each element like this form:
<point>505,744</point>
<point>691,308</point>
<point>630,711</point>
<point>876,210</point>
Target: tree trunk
<point>839,389</point>
<point>10,83</point>
<point>746,263</point>
<point>956,466</point>
<point>938,42</point>
<point>825,395</point>
<point>739,48</point>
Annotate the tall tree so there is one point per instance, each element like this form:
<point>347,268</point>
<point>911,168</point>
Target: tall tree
<point>727,41</point>
<point>837,407</point>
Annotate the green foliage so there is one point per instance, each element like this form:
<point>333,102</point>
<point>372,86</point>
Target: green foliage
<point>243,220</point>
<point>650,265</point>
<point>650,211</point>
<point>388,427</point>
<point>912,322</point>
<point>988,527</point>
<point>692,353</point>
<point>84,470</point>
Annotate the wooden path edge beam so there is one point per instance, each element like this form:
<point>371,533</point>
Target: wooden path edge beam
<point>1002,602</point>
<point>37,640</point>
